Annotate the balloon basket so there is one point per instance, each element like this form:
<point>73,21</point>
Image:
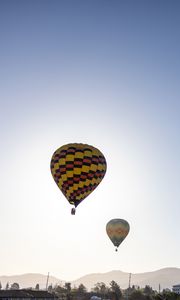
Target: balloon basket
<point>73,211</point>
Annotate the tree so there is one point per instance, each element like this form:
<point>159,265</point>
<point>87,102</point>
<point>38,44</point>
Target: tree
<point>15,286</point>
<point>68,286</point>
<point>148,290</point>
<point>7,286</point>
<point>114,287</point>
<point>101,288</point>
<point>81,289</point>
<point>50,288</point>
<point>59,289</point>
<point>137,295</point>
<point>168,295</point>
<point>37,287</point>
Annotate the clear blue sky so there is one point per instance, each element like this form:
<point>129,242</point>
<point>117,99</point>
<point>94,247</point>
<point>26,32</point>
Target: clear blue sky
<point>106,73</point>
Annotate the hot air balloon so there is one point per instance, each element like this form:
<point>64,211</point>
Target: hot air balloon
<point>77,170</point>
<point>117,230</point>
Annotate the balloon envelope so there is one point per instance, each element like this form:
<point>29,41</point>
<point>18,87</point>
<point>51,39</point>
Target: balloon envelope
<point>77,170</point>
<point>117,230</point>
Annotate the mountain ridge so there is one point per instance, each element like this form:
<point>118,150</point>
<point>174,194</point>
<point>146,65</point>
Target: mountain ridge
<point>165,277</point>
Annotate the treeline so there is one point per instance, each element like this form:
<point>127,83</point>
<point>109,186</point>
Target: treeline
<point>14,286</point>
<point>103,292</point>
<point>111,292</point>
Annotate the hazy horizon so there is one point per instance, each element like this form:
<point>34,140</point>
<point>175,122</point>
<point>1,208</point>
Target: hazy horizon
<point>114,270</point>
<point>166,277</point>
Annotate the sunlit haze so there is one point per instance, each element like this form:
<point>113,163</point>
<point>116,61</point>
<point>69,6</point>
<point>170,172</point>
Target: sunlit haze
<point>105,73</point>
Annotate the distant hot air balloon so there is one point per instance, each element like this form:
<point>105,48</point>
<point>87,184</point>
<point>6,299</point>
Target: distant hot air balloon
<point>77,170</point>
<point>117,230</point>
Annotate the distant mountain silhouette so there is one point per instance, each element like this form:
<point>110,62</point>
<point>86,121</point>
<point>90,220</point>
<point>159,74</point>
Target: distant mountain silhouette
<point>166,277</point>
<point>30,280</point>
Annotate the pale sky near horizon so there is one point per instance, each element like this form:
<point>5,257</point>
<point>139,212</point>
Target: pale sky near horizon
<point>105,73</point>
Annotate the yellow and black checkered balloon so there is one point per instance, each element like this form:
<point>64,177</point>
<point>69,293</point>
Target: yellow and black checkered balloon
<point>77,169</point>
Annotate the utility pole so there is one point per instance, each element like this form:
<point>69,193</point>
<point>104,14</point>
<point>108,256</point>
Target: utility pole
<point>129,286</point>
<point>129,280</point>
<point>47,281</point>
